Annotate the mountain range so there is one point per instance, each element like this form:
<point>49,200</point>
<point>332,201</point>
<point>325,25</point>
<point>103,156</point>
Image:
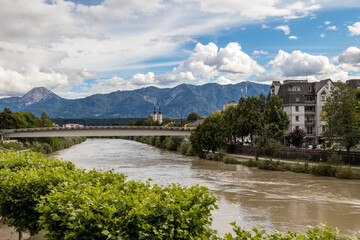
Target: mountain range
<point>175,102</point>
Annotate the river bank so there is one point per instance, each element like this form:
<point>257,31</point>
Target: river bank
<point>42,145</point>
<point>183,146</point>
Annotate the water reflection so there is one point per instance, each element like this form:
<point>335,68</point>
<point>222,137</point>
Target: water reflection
<point>273,200</point>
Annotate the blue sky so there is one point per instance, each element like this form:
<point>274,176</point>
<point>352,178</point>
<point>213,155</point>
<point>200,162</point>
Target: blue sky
<point>79,48</point>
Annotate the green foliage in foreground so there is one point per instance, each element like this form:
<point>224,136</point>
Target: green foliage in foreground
<point>38,194</point>
<point>130,210</point>
<point>28,160</point>
<point>321,232</point>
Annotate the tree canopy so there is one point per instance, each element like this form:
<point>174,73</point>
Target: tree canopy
<point>340,115</point>
<point>192,116</point>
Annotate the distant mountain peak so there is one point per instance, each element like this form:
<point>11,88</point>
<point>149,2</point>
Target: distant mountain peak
<point>38,94</point>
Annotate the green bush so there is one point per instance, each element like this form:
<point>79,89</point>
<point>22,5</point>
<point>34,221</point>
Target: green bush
<point>321,232</point>
<point>190,151</point>
<point>11,145</point>
<point>230,160</point>
<point>298,167</point>
<point>269,165</point>
<point>215,156</point>
<point>346,173</point>
<point>153,140</point>
<point>27,160</point>
<point>21,188</point>
<point>323,169</point>
<point>130,210</point>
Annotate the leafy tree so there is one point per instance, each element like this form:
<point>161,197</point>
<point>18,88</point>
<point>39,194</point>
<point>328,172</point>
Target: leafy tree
<point>131,123</point>
<point>147,122</point>
<point>7,119</point>
<point>116,123</point>
<point>342,122</point>
<point>45,121</point>
<point>20,120</point>
<point>276,117</point>
<point>265,142</point>
<point>253,114</point>
<point>192,116</point>
<point>231,116</point>
<point>210,135</point>
<point>297,137</point>
<point>241,130</point>
<point>31,120</point>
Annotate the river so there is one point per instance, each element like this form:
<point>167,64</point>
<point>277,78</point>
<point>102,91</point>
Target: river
<point>272,200</point>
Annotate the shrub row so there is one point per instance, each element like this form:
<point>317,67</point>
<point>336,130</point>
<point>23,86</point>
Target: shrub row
<point>320,169</point>
<point>172,143</point>
<point>43,145</point>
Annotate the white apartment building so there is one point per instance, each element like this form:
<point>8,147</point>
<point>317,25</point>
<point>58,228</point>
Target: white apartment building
<point>303,101</point>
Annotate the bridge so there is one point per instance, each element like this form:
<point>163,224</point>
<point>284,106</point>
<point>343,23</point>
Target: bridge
<point>95,131</point>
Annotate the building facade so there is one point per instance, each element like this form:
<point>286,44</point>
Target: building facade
<point>303,101</point>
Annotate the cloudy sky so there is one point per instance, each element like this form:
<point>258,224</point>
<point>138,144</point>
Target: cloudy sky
<point>82,47</point>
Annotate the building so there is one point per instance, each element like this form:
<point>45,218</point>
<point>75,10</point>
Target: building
<point>353,83</point>
<point>157,116</point>
<point>303,101</point>
<point>72,125</point>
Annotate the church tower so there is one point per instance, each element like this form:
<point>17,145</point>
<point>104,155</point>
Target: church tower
<point>160,118</point>
<point>154,115</point>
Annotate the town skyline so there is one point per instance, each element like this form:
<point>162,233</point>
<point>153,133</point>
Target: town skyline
<point>80,48</point>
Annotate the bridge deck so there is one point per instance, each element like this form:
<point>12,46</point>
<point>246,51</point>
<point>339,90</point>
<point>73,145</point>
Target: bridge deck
<point>96,131</point>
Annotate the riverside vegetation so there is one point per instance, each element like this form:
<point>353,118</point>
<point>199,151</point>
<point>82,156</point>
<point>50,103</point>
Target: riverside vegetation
<point>52,196</point>
<point>10,120</point>
<point>331,168</point>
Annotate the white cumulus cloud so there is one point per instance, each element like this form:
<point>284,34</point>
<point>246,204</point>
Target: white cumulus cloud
<point>333,28</point>
<point>354,29</point>
<point>207,61</point>
<point>297,64</point>
<point>293,37</point>
<point>350,56</point>
<point>284,28</point>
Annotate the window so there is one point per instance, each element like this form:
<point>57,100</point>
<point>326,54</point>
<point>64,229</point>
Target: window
<point>323,98</point>
<point>297,99</point>
<point>297,118</point>
<point>309,98</point>
<point>309,130</point>
<point>309,109</point>
<point>296,108</point>
<point>296,127</point>
<point>310,88</point>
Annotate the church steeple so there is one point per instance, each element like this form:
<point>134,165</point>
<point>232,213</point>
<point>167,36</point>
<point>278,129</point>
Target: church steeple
<point>160,118</point>
<point>154,109</point>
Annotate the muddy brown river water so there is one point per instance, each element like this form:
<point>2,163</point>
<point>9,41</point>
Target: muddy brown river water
<point>272,200</point>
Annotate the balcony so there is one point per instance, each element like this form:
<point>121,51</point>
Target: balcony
<point>310,122</point>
